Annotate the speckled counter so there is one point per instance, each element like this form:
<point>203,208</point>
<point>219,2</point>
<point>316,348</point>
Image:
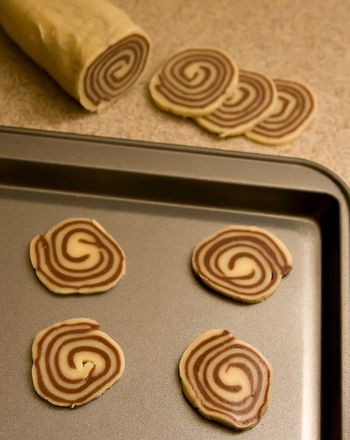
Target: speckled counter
<point>302,40</point>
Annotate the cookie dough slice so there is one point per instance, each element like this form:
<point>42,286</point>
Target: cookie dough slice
<point>194,81</point>
<point>77,256</point>
<point>245,263</point>
<point>75,362</point>
<point>90,47</point>
<point>253,100</point>
<point>293,113</point>
<point>226,379</point>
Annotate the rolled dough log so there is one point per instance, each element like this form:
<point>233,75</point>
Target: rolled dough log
<point>90,47</point>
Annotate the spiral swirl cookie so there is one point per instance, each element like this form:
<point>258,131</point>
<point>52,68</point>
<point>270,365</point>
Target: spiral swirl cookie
<point>294,111</point>
<point>252,102</point>
<point>242,262</point>
<point>115,70</point>
<point>77,256</point>
<point>194,82</point>
<point>227,379</point>
<point>75,362</point>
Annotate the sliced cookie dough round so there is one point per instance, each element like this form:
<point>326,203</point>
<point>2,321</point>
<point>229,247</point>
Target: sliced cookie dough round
<point>75,362</point>
<point>77,256</point>
<point>226,379</point>
<point>293,113</point>
<point>194,81</point>
<point>245,263</point>
<point>253,100</point>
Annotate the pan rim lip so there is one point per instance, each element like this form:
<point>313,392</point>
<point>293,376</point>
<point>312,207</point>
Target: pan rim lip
<point>190,149</point>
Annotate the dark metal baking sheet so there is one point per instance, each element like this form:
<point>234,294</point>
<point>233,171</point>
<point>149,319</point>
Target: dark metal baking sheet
<point>158,201</point>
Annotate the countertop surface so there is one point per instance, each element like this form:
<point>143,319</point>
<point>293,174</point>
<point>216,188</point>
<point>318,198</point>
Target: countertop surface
<point>302,40</point>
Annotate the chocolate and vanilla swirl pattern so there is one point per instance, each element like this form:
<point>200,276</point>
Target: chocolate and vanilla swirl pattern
<point>227,379</point>
<point>77,256</point>
<point>194,82</point>
<point>75,362</point>
<point>116,70</point>
<point>245,263</point>
<point>294,111</point>
<point>253,100</point>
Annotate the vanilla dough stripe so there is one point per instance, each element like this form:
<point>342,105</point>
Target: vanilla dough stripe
<point>253,100</point>
<point>75,362</point>
<point>90,47</point>
<point>293,113</point>
<point>227,379</point>
<point>77,256</point>
<point>194,81</point>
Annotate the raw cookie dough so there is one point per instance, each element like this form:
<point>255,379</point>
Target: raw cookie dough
<point>252,102</point>
<point>227,379</point>
<point>77,256</point>
<point>245,263</point>
<point>90,47</point>
<point>295,110</point>
<point>194,82</point>
<point>75,362</point>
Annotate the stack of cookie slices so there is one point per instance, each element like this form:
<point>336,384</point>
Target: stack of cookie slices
<point>206,85</point>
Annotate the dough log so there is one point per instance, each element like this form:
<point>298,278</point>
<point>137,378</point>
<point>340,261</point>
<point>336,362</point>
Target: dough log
<point>90,47</point>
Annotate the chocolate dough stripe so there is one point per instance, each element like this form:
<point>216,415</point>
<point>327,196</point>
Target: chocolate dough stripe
<point>52,260</point>
<point>231,115</point>
<point>252,101</point>
<point>194,81</point>
<point>59,264</point>
<point>251,236</point>
<point>245,263</point>
<point>241,243</point>
<point>207,260</point>
<point>175,70</point>
<point>89,229</point>
<point>220,403</point>
<point>232,388</point>
<point>70,360</point>
<point>305,106</point>
<point>215,73</point>
<point>231,406</point>
<point>225,334</point>
<point>61,275</point>
<point>94,87</point>
<point>193,98</point>
<point>273,125</point>
<point>107,86</point>
<point>227,404</point>
<point>56,363</point>
<point>201,369</point>
<point>59,332</point>
<point>238,285</point>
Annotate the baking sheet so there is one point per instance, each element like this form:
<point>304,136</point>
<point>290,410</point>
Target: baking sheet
<point>158,201</point>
